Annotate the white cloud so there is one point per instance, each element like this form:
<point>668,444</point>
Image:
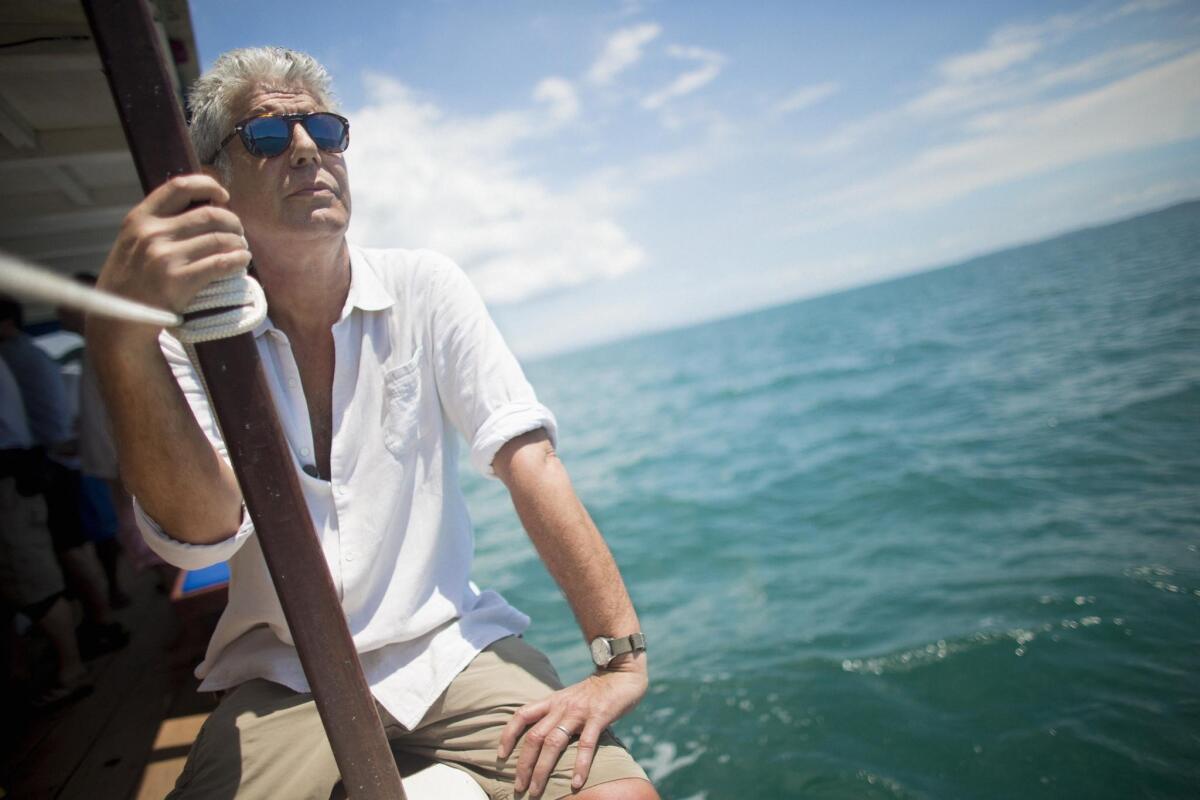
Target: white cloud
<point>952,98</point>
<point>622,50</point>
<point>1000,54</point>
<point>1139,6</point>
<point>964,76</point>
<point>560,95</point>
<point>1154,107</point>
<point>678,163</point>
<point>1156,194</point>
<point>1103,66</point>
<point>616,187</point>
<point>805,97</point>
<point>711,64</point>
<point>1014,44</point>
<point>975,78</point>
<point>1020,65</point>
<point>454,184</point>
<point>630,8</point>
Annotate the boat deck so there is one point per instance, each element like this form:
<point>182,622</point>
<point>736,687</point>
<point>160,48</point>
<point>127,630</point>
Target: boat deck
<point>130,737</point>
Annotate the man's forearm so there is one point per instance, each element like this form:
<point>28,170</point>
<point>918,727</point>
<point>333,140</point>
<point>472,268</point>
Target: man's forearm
<point>577,557</point>
<point>172,244</point>
<point>565,537</point>
<point>166,460</point>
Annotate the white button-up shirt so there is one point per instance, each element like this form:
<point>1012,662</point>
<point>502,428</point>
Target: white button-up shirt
<point>416,358</point>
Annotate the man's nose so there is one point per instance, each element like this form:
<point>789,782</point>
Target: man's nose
<point>304,149</point>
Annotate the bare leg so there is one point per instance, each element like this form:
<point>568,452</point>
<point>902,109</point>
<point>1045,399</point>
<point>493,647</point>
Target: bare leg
<point>59,626</point>
<point>99,633</point>
<point>109,553</point>
<point>86,578</point>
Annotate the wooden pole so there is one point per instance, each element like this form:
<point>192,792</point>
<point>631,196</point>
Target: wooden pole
<point>132,56</point>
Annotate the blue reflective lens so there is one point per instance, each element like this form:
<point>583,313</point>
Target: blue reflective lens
<point>271,135</point>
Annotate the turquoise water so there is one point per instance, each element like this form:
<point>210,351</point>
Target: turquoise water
<point>934,538</point>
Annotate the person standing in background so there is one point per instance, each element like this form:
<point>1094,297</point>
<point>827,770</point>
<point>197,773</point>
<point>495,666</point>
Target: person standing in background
<point>30,580</point>
<point>98,461</point>
<point>46,406</point>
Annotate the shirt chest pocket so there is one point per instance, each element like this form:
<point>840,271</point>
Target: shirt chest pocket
<point>402,406</point>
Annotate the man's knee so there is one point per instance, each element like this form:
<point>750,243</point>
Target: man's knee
<point>263,741</point>
<point>622,789</point>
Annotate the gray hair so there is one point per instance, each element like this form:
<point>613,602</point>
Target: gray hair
<point>214,96</point>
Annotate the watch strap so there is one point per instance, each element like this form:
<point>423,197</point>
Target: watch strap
<point>628,644</point>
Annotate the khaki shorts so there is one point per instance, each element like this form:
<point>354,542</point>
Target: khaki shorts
<point>29,571</point>
<point>266,741</point>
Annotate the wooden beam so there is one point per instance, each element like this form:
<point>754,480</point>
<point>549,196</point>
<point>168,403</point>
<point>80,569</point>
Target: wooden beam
<point>71,263</point>
<point>54,56</point>
<point>15,128</point>
<point>99,145</point>
<point>27,214</point>
<point>98,217</point>
<point>67,183</point>
<point>95,241</point>
<point>95,253</point>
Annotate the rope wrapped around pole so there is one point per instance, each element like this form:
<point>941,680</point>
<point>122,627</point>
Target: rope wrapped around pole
<point>132,56</point>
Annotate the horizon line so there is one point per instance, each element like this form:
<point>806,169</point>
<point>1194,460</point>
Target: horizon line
<point>544,355</point>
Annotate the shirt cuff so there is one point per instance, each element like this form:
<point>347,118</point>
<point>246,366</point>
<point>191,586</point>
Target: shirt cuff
<point>505,424</point>
<point>183,554</point>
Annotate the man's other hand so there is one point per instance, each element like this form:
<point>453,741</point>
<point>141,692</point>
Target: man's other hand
<point>585,709</point>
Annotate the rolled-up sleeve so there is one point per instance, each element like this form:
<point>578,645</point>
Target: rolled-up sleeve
<point>184,554</point>
<point>481,385</point>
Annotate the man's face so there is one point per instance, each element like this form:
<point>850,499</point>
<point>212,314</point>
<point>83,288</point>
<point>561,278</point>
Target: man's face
<point>303,193</point>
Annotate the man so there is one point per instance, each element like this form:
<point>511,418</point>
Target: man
<point>374,357</point>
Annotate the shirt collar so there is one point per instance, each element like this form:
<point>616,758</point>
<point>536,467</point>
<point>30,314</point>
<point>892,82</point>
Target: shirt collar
<point>366,291</point>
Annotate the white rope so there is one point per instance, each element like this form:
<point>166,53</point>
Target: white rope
<point>240,294</point>
<point>23,279</point>
<point>246,303</point>
<point>246,307</point>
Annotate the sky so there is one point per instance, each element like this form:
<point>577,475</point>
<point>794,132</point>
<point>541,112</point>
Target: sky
<point>602,169</point>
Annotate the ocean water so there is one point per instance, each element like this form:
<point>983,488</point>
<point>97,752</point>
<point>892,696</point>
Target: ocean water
<point>933,538</point>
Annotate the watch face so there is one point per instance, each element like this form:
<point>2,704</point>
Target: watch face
<point>601,651</point>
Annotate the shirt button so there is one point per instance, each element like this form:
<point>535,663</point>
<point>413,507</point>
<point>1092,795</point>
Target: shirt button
<point>349,556</point>
<point>291,381</point>
<point>303,451</point>
<point>341,490</point>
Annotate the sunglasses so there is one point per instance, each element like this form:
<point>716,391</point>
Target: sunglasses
<point>271,134</point>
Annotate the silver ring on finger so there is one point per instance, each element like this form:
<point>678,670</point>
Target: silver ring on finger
<point>564,730</point>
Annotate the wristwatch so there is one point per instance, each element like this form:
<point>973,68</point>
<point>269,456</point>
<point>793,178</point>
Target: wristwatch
<point>605,648</point>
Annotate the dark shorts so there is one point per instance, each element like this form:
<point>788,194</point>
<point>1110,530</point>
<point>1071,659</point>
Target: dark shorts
<point>64,504</point>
